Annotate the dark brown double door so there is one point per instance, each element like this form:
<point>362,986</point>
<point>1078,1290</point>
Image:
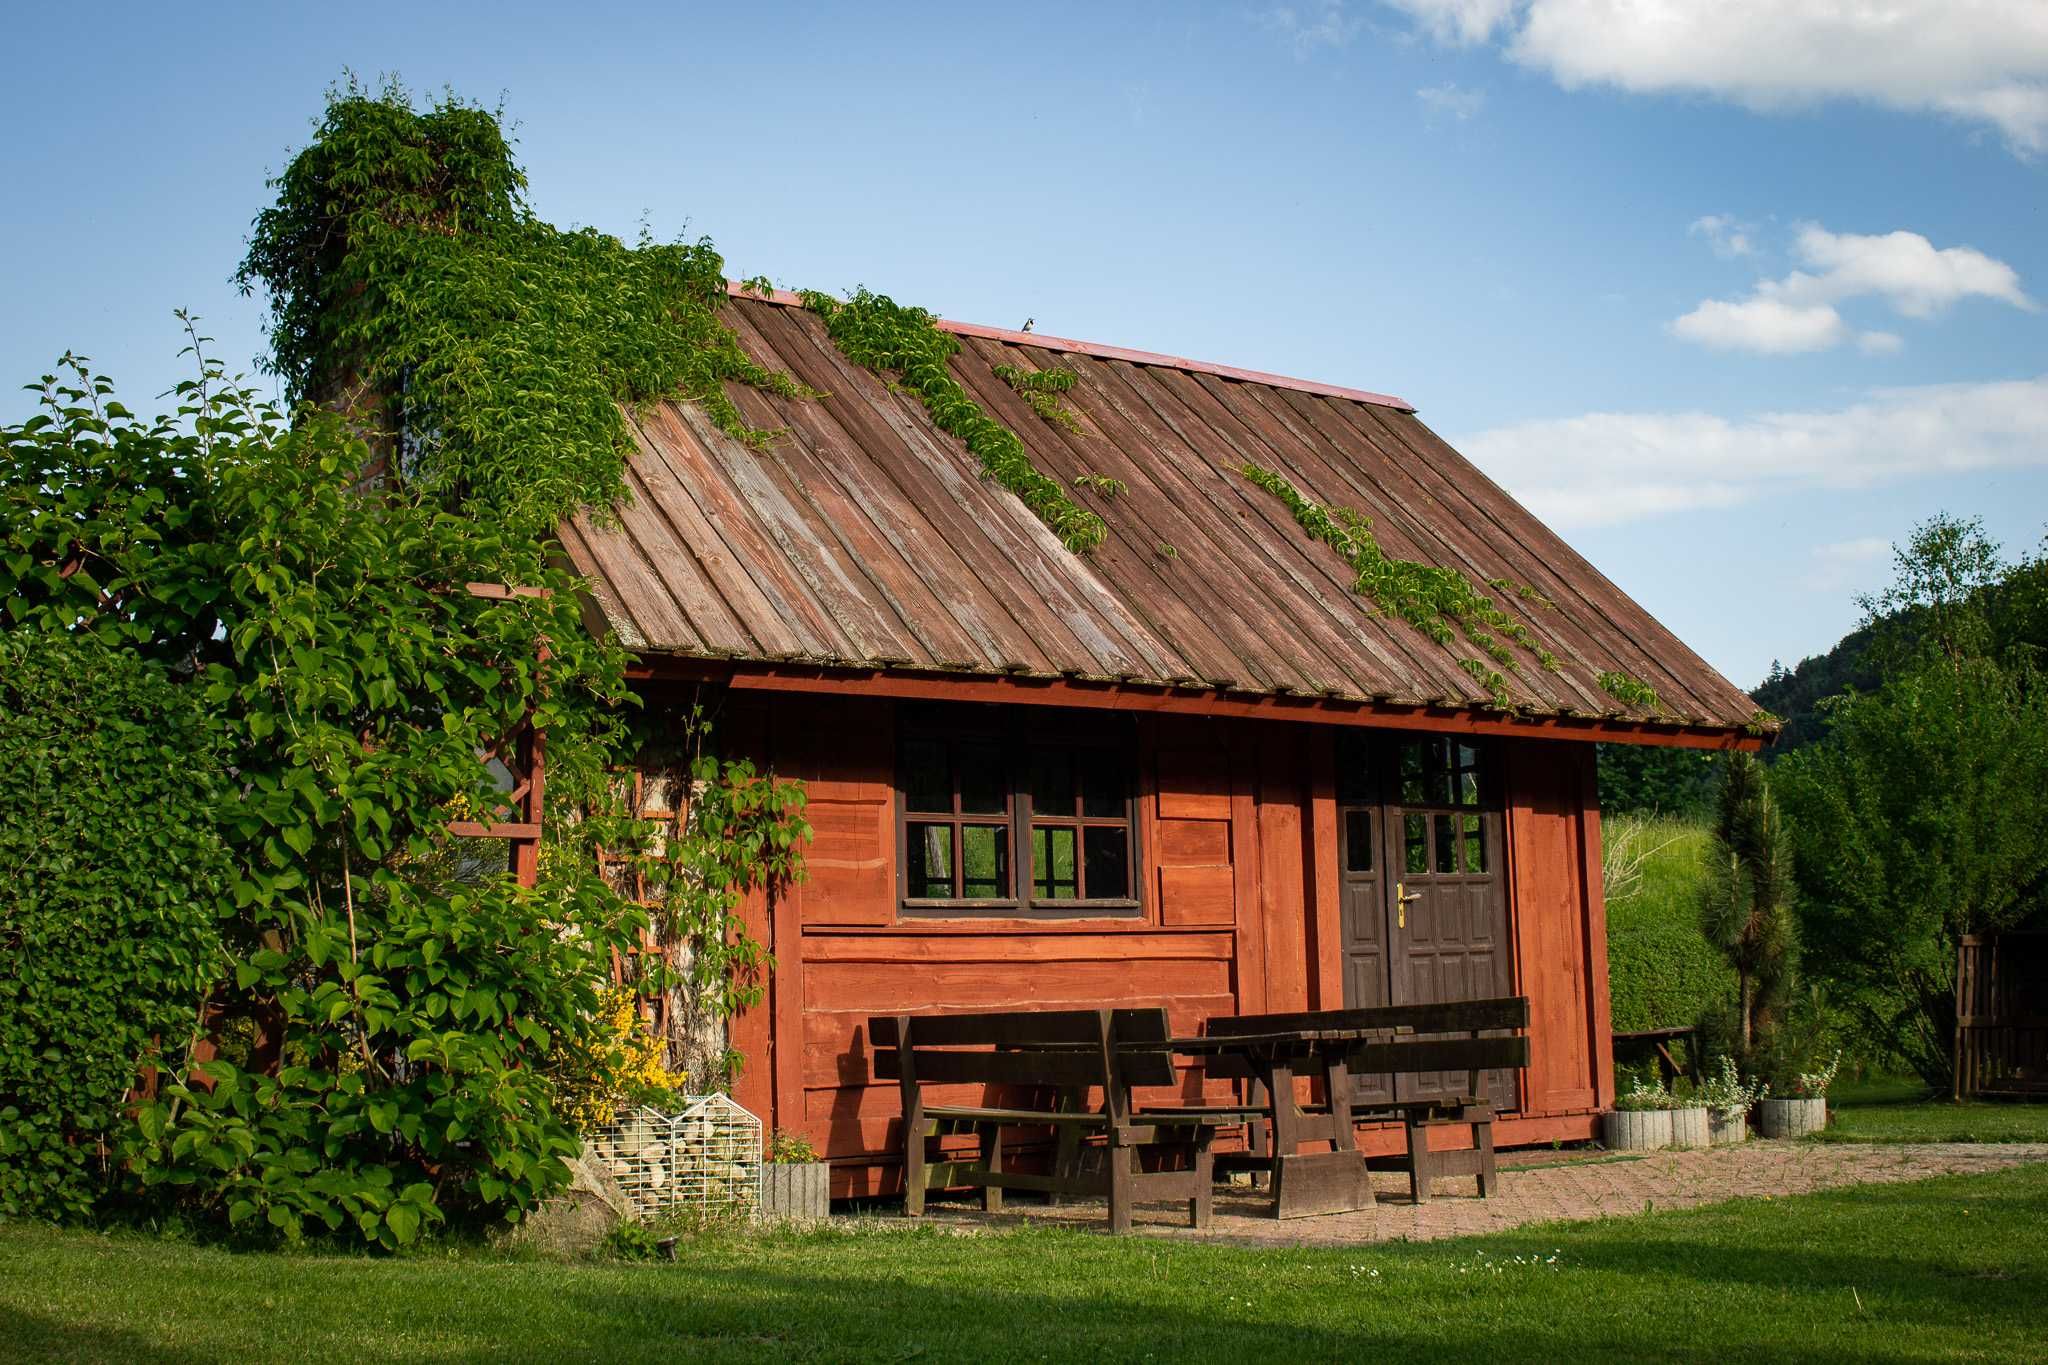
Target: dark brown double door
<point>1424,893</point>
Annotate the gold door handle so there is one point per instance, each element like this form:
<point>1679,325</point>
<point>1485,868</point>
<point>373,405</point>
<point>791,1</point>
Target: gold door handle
<point>1402,895</point>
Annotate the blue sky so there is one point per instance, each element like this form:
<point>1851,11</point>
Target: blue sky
<point>1733,293</point>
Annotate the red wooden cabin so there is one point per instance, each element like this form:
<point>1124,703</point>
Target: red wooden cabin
<point>1192,768</point>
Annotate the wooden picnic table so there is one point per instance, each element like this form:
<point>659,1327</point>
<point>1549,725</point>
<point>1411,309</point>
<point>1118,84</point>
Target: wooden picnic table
<point>1304,1183</point>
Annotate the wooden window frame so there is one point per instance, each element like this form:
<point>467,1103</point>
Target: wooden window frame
<point>1118,740</point>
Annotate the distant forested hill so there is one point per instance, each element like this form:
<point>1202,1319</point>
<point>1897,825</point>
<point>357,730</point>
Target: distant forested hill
<point>1683,783</point>
<point>1794,695</point>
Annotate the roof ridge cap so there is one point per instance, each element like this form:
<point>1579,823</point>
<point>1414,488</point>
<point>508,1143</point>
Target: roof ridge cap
<point>1104,351</point>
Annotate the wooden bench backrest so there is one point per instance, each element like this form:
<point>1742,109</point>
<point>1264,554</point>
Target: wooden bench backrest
<point>1410,1055</point>
<point>1022,1047</point>
<point>1453,1016</point>
<point>1143,1026</point>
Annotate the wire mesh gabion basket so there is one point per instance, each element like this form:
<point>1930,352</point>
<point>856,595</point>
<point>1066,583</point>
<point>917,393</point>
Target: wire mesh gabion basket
<point>704,1159</point>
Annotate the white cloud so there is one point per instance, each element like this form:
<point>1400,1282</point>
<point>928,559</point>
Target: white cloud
<point>1728,237</point>
<point>1984,61</point>
<point>1452,101</point>
<point>1608,467</point>
<point>1770,326</point>
<point>1458,21</point>
<point>1319,23</point>
<point>1911,273</point>
<point>1797,313</point>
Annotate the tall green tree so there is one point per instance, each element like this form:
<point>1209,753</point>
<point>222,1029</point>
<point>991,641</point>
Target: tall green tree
<point>1923,815</point>
<point>1746,904</point>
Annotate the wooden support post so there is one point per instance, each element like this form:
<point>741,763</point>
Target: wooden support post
<point>913,1122</point>
<point>992,1164</point>
<point>1419,1172</point>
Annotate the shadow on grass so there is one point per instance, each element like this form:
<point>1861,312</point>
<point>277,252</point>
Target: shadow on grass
<point>1845,1286</point>
<point>793,1316</point>
<point>33,1336</point>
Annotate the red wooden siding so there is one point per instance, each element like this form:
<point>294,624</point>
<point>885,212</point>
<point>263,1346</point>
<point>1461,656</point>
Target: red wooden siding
<point>1238,866</point>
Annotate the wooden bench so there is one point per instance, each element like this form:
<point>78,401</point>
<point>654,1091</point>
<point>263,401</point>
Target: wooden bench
<point>1458,1036</point>
<point>1049,1063</point>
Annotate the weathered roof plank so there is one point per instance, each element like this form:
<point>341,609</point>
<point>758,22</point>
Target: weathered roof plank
<point>867,537</point>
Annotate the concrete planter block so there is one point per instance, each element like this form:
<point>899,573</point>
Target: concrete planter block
<point>1689,1127</point>
<point>1791,1118</point>
<point>1722,1130</point>
<point>1636,1130</point>
<point>796,1190</point>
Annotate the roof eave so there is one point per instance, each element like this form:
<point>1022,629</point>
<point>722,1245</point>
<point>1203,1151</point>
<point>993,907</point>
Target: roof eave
<point>1031,690</point>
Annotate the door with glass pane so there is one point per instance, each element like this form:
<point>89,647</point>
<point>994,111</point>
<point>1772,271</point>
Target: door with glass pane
<point>1441,933</point>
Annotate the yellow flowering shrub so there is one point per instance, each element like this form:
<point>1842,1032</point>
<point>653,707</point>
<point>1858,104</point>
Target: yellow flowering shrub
<point>624,1068</point>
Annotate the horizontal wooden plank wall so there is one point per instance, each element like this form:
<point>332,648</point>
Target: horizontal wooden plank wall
<point>1238,831</point>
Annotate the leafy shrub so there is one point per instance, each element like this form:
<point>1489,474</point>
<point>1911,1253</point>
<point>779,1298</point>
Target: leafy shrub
<point>1921,816</point>
<point>1662,972</point>
<point>1726,1093</point>
<point>115,876</point>
<point>1644,1095</point>
<point>349,683</point>
<point>409,1085</point>
<point>790,1149</point>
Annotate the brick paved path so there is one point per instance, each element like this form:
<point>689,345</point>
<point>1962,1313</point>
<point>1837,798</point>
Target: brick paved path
<point>1572,1189</point>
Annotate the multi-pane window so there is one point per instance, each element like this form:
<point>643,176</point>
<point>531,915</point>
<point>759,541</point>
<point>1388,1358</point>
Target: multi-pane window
<point>957,820</point>
<point>1450,776</point>
<point>995,825</point>
<point>1080,824</point>
<point>1442,787</point>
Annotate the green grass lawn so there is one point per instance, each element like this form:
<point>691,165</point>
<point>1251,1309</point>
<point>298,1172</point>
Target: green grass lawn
<point>1907,1111</point>
<point>1951,1267</point>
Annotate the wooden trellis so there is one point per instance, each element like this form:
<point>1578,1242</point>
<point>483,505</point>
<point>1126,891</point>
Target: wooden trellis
<point>523,752</point>
<point>663,798</point>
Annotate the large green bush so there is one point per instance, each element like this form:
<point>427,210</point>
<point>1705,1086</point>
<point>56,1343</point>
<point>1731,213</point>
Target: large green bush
<point>114,877</point>
<point>1661,971</point>
<point>395,1006</point>
<point>1923,814</point>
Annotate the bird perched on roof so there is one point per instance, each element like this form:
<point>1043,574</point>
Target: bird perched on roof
<point>1028,322</point>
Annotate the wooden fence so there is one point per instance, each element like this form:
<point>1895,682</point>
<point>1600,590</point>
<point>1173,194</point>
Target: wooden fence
<point>2002,1016</point>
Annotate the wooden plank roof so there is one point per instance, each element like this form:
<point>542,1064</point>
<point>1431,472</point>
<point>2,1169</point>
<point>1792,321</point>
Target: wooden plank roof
<point>867,539</point>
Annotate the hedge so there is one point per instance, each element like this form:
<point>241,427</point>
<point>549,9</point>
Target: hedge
<point>1661,972</point>
<point>114,875</point>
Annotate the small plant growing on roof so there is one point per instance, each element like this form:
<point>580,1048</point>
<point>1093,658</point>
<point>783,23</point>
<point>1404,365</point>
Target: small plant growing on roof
<point>877,333</point>
<point>1439,602</point>
<point>1041,389</point>
<point>1629,691</point>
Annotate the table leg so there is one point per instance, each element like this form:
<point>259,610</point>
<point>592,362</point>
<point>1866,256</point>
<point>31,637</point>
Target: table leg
<point>1319,1182</point>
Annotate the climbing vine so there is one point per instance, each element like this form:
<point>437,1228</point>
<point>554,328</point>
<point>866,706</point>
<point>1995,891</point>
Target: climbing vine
<point>393,1005</point>
<point>1042,390</point>
<point>408,276</point>
<point>879,334</point>
<point>1439,602</point>
<point>1633,691</point>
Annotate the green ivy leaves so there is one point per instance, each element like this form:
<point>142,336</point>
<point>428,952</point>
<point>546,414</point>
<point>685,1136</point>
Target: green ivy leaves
<point>1433,599</point>
<point>878,333</point>
<point>115,876</point>
<point>402,262</point>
